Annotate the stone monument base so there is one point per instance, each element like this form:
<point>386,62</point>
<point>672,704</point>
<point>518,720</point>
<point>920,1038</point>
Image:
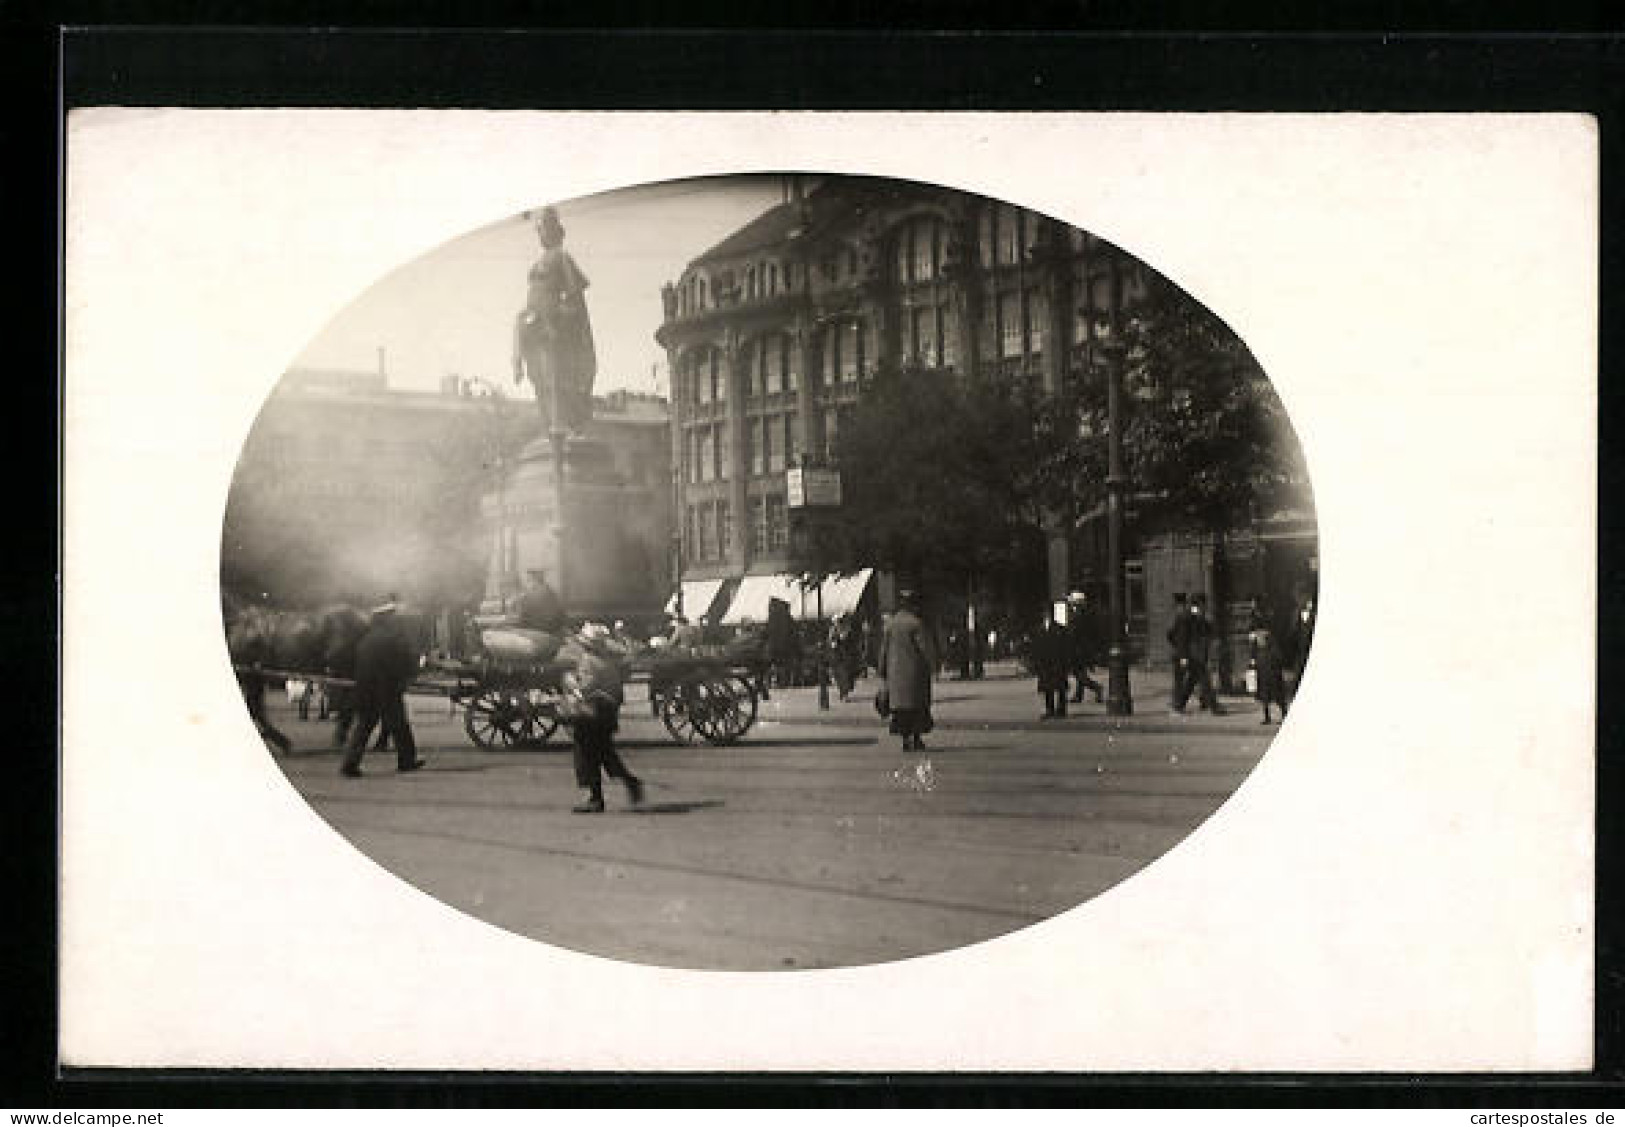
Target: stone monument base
<point>599,570</point>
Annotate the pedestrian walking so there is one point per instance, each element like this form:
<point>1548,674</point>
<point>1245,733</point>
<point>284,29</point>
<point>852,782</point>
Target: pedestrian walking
<point>1300,635</point>
<point>384,665</point>
<point>1178,626</point>
<point>783,643</point>
<point>1267,660</point>
<point>844,649</point>
<point>1192,640</point>
<point>1083,646</point>
<point>593,697</point>
<point>905,666</point>
<point>1050,662</point>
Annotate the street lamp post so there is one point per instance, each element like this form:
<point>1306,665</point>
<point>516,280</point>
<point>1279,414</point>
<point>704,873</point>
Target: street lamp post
<point>1119,696</point>
<point>823,651</point>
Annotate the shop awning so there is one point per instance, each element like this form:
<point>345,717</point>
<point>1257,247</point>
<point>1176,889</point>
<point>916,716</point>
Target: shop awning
<point>756,591</point>
<point>698,595</point>
<point>840,596</point>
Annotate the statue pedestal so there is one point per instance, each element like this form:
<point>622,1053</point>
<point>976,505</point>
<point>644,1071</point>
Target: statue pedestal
<point>598,568</point>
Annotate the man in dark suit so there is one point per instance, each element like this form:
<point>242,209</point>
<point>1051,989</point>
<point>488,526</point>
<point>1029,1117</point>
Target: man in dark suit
<point>384,665</point>
<point>1083,638</point>
<point>1299,635</point>
<point>1191,645</point>
<point>1178,640</point>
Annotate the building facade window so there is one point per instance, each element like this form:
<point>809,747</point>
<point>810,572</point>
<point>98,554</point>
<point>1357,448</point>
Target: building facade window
<point>708,533</point>
<point>758,525</point>
<point>765,433</point>
<point>792,439</point>
<point>1037,321</point>
<point>774,351</point>
<point>921,244</point>
<point>1009,235</point>
<point>725,529</point>
<point>773,440</point>
<point>724,447</point>
<point>1010,325</point>
<point>753,439</point>
<point>778,523</point>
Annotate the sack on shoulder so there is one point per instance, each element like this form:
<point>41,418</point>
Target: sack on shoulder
<point>883,702</point>
<point>573,708</point>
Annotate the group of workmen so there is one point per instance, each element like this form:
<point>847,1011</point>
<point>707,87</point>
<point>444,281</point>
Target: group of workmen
<point>386,661</point>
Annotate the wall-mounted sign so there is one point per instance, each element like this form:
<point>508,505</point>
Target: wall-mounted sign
<point>813,489</point>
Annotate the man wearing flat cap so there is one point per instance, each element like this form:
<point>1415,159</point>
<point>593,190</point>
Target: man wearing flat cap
<point>384,666</point>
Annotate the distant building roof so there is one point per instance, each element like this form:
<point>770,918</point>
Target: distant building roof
<point>775,225</point>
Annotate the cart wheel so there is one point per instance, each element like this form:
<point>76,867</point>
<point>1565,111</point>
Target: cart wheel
<point>536,727</point>
<point>494,721</point>
<point>678,705</point>
<point>732,709</point>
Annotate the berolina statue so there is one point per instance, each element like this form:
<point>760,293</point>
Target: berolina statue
<point>552,335</point>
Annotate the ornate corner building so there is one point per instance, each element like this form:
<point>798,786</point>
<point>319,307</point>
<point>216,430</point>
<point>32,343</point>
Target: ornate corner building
<point>772,334</point>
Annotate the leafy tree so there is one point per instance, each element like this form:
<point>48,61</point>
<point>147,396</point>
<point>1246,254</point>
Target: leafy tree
<point>1204,430</point>
<point>941,480</point>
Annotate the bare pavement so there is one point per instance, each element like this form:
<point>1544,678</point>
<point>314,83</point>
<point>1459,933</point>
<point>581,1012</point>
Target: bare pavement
<point>814,842</point>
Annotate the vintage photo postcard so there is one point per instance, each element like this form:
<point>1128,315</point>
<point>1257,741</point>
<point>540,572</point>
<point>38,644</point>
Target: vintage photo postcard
<point>820,592</point>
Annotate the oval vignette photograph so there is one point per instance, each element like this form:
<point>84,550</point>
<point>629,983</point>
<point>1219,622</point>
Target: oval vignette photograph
<point>770,572</point>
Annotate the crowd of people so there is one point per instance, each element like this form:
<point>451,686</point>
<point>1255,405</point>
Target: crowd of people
<point>372,660</point>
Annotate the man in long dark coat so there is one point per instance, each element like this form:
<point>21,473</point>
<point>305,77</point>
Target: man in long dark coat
<point>1050,662</point>
<point>1191,645</point>
<point>384,665</point>
<point>1299,635</point>
<point>783,644</point>
<point>1083,646</point>
<point>906,663</point>
<point>1178,640</point>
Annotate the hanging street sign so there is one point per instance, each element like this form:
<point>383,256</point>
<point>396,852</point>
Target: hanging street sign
<point>813,488</point>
